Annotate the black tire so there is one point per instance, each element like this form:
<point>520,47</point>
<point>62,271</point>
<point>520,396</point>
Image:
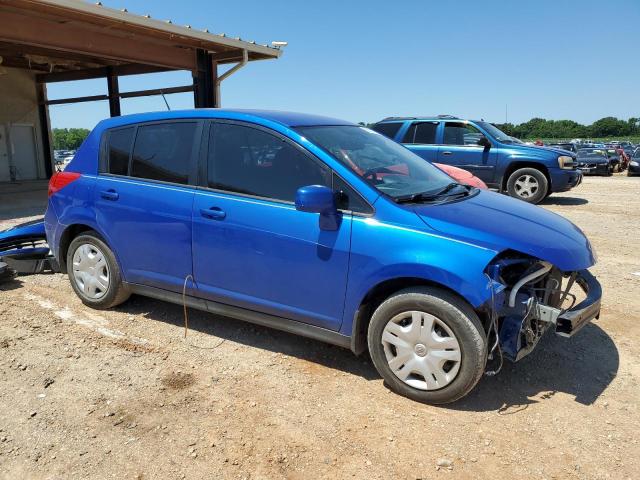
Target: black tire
<point>116,292</point>
<point>460,319</point>
<point>542,185</point>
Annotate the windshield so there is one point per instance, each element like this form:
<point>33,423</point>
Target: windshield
<point>496,133</point>
<point>583,152</point>
<point>386,165</point>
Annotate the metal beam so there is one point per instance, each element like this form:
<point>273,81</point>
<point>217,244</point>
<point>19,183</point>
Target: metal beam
<point>45,128</point>
<point>70,37</point>
<point>157,91</point>
<point>89,73</point>
<point>139,93</point>
<point>232,56</point>
<point>204,81</point>
<point>113,90</point>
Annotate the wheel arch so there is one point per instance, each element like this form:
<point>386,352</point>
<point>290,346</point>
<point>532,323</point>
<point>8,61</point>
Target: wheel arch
<point>67,236</point>
<point>517,164</point>
<point>379,293</point>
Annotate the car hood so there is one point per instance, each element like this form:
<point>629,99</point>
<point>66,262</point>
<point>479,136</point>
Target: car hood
<point>538,148</point>
<point>501,223</point>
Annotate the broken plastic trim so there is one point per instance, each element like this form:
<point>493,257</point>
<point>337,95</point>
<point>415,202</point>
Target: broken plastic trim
<point>24,250</point>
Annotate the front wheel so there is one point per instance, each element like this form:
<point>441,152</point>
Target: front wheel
<point>528,184</point>
<point>428,345</point>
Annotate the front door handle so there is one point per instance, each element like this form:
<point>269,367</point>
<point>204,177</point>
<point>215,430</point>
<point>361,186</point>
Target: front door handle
<point>213,213</point>
<point>110,194</point>
<point>447,153</point>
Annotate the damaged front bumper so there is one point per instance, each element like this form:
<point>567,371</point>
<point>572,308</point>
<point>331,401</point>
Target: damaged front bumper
<point>24,250</point>
<point>569,322</point>
<point>526,305</point>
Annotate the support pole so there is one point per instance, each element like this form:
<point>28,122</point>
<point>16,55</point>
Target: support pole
<point>113,90</point>
<point>204,80</point>
<point>45,131</point>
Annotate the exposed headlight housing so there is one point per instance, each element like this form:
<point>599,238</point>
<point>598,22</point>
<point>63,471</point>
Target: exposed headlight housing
<point>633,163</point>
<point>565,162</point>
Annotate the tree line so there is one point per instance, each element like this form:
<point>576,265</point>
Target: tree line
<point>542,128</point>
<point>68,138</point>
<point>71,138</point>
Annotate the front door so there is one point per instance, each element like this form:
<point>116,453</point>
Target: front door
<point>144,197</point>
<point>460,148</point>
<point>251,247</point>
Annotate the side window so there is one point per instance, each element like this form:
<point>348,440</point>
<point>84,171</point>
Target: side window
<point>387,129</point>
<point>163,151</point>
<point>250,161</point>
<point>459,133</point>
<point>423,133</point>
<point>347,198</point>
<point>118,150</point>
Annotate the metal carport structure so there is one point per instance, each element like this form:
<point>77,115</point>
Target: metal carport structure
<point>65,40</point>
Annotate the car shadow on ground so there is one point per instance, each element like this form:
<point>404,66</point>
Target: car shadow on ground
<point>582,366</point>
<point>257,336</point>
<point>10,284</point>
<point>568,201</point>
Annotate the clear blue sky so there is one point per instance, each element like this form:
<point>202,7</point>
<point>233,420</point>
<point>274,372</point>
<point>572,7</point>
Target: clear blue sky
<point>363,60</point>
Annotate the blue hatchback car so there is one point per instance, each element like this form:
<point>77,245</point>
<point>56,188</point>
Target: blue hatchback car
<point>527,172</point>
<point>322,228</point>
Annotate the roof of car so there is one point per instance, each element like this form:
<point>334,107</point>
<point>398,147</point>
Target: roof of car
<point>426,118</point>
<point>288,119</point>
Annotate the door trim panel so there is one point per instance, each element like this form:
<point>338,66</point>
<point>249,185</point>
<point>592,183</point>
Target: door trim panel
<point>251,316</point>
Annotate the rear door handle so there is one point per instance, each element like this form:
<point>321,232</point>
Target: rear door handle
<point>213,213</point>
<point>109,194</point>
<point>447,153</point>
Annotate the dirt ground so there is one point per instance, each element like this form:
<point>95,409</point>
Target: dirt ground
<point>121,393</point>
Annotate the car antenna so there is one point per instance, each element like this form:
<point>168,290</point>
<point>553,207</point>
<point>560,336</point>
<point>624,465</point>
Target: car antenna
<point>165,101</point>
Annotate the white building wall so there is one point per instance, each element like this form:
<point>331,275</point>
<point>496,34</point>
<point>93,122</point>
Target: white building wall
<point>19,109</point>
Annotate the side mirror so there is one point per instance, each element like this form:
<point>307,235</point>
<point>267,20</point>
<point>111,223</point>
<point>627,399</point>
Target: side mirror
<point>484,142</point>
<point>319,199</point>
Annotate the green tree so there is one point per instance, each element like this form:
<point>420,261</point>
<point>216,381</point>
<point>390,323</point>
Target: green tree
<point>610,127</point>
<point>68,138</point>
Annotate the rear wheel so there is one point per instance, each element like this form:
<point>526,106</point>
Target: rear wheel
<point>94,273</point>
<point>528,184</point>
<point>428,345</point>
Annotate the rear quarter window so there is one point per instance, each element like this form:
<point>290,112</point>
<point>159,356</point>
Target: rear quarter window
<point>163,152</point>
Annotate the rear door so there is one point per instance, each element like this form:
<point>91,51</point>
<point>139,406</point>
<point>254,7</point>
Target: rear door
<point>144,197</point>
<point>421,137</point>
<point>251,247</point>
<point>460,148</point>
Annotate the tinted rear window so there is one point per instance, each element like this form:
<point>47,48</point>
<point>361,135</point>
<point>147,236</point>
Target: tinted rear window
<point>423,133</point>
<point>163,152</point>
<point>387,129</point>
<point>118,150</point>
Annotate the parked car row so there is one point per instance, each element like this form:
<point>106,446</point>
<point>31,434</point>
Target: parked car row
<point>62,158</point>
<point>634,162</point>
<point>601,158</point>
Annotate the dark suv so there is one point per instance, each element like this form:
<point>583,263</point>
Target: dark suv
<point>527,172</point>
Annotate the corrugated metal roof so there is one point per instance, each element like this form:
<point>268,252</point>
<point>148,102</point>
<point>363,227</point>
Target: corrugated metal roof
<point>125,20</point>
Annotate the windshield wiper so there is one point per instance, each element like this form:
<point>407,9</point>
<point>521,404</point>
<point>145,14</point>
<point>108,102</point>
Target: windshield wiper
<point>427,197</point>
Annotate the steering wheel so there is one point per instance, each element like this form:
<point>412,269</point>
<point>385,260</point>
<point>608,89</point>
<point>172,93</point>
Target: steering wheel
<point>372,172</point>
